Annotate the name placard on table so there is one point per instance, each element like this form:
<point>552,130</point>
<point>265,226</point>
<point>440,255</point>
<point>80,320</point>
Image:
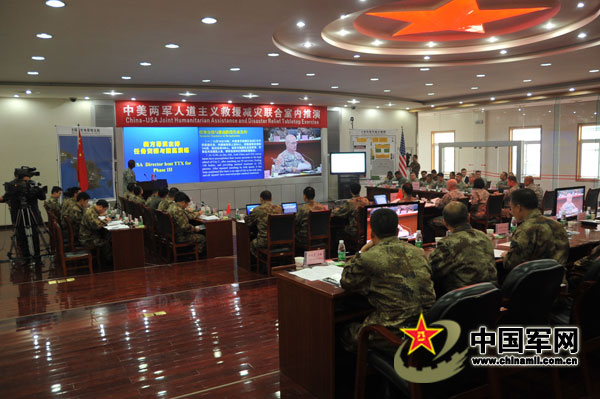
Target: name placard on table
<point>315,257</point>
<point>502,228</point>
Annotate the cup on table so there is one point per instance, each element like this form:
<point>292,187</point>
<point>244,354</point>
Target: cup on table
<point>299,260</point>
<point>220,214</point>
<point>437,240</point>
<point>490,233</point>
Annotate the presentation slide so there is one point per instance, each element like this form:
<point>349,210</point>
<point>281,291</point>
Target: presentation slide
<point>163,152</point>
<point>292,152</point>
<point>228,153</point>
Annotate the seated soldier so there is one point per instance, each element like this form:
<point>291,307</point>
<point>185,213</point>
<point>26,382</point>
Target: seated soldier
<point>184,231</point>
<point>129,193</point>
<point>53,203</point>
<point>399,179</point>
<point>151,197</point>
<point>440,183</point>
<point>513,186</point>
<point>413,178</point>
<point>137,195</point>
<point>460,184</point>
<point>394,277</point>
<point>162,195</point>
<point>429,182</point>
<point>539,192</point>
<point>389,178</point>
<point>259,217</point>
<point>92,233</point>
<point>407,194</point>
<point>69,198</point>
<point>165,203</point>
<point>452,195</point>
<point>349,212</point>
<point>466,257</point>
<point>302,216</point>
<point>423,177</point>
<point>75,214</point>
<point>537,237</point>
<point>502,184</point>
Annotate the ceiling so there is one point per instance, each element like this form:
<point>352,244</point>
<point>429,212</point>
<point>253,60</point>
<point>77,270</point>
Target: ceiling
<point>95,43</point>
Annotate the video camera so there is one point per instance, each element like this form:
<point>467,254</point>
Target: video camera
<point>25,171</point>
<point>24,191</point>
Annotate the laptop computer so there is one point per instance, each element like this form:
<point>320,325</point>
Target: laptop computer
<point>249,208</point>
<point>381,199</point>
<point>289,207</point>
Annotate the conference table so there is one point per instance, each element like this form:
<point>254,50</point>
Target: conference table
<point>312,312</point>
<point>128,248</point>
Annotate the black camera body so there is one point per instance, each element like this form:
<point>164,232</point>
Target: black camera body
<point>26,171</point>
<point>21,191</point>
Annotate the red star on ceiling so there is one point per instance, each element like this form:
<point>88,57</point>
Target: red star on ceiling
<point>421,336</point>
<point>456,15</point>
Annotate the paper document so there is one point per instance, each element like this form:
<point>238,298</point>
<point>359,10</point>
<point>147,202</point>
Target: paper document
<point>117,227</point>
<point>211,217</point>
<point>498,253</point>
<point>505,244</point>
<point>319,273</point>
<point>114,223</point>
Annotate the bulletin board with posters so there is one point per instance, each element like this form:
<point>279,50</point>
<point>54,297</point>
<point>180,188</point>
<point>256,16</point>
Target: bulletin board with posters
<point>380,146</point>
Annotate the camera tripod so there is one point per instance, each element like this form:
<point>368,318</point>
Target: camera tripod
<point>27,236</point>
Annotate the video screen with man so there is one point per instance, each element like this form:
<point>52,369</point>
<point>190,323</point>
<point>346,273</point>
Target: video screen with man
<point>569,201</point>
<point>292,152</point>
<point>408,218</point>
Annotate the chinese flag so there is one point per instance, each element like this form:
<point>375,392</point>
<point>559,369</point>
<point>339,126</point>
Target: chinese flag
<point>228,208</point>
<point>82,175</point>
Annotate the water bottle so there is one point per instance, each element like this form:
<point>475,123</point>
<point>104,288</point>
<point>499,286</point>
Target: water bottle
<point>588,213</point>
<point>419,239</point>
<point>341,251</point>
<point>513,226</point>
<point>141,224</point>
<point>237,214</point>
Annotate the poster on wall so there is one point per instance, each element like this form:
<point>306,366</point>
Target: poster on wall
<point>380,146</point>
<point>99,159</point>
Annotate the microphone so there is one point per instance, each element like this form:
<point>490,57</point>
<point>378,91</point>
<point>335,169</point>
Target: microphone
<point>146,176</point>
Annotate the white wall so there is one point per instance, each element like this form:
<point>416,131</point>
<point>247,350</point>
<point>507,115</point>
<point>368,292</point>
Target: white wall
<point>27,129</point>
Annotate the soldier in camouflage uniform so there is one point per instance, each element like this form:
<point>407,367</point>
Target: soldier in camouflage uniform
<point>466,257</point>
<point>129,193</point>
<point>394,277</point>
<point>452,195</point>
<point>428,183</point>
<point>414,166</point>
<point>165,203</point>
<point>53,203</point>
<point>129,175</point>
<point>137,195</point>
<point>75,214</point>
<point>577,272</point>
<point>460,184</point>
<point>513,186</point>
<point>290,161</point>
<point>349,211</point>
<point>162,194</point>
<point>259,218</point>
<point>68,199</point>
<point>302,217</point>
<point>537,237</point>
<point>529,183</point>
<point>92,233</point>
<point>151,197</point>
<point>440,182</point>
<point>184,231</point>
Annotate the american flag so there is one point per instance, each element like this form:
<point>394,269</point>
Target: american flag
<point>402,164</point>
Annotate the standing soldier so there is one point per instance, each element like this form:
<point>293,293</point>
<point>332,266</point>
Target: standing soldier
<point>259,217</point>
<point>184,231</point>
<point>129,175</point>
<point>414,166</point>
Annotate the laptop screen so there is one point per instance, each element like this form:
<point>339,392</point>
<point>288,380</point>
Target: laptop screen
<point>249,208</point>
<point>381,199</point>
<point>289,207</point>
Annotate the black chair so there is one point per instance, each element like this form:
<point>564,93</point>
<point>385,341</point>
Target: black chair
<point>591,199</point>
<point>167,233</point>
<point>81,259</point>
<point>493,212</point>
<point>149,231</point>
<point>465,201</point>
<point>548,202</point>
<point>471,307</point>
<point>280,241</point>
<point>318,230</point>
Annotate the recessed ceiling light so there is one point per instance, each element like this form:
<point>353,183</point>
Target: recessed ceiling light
<point>374,79</point>
<point>407,108</point>
<point>582,35</point>
<point>356,55</point>
<point>432,106</point>
<point>428,84</point>
<point>481,75</point>
<point>209,20</point>
<point>546,64</point>
<point>527,80</point>
<point>86,98</point>
<point>300,24</point>
<point>482,109</point>
<point>310,104</point>
<point>343,32</point>
<point>475,88</point>
<point>461,102</point>
<point>377,42</point>
<point>132,98</point>
<point>492,98</point>
<point>431,94</point>
<point>353,101</point>
<point>345,105</point>
<point>205,80</point>
<point>529,94</point>
<point>16,96</point>
<point>572,89</point>
<point>112,93</point>
<point>273,54</point>
<point>126,77</point>
<point>335,87</point>
<point>33,73</point>
<point>234,69</point>
<point>343,16</point>
<point>310,74</point>
<point>44,36</point>
<point>274,84</point>
<point>427,58</point>
<point>250,95</point>
<point>38,58</point>
<point>520,109</point>
<point>305,98</point>
<point>145,63</point>
<point>503,52</point>
<point>580,4</point>
<point>387,91</point>
<point>424,69</point>
<point>431,44</point>
<point>390,104</point>
<point>272,103</point>
<point>493,39</point>
<point>549,25</point>
<point>377,107</point>
<point>229,101</point>
<point>172,45</point>
<point>187,94</point>
<point>55,3</point>
<point>594,70</point>
<point>28,91</point>
<point>183,100</point>
<point>307,44</point>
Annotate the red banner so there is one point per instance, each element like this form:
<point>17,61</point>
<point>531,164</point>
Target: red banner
<point>162,113</point>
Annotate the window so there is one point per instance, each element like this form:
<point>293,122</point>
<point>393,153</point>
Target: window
<point>532,150</point>
<point>588,165</point>
<point>437,138</point>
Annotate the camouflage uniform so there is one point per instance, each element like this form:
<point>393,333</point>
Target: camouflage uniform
<point>137,199</point>
<point>576,274</point>
<point>149,200</point>
<point>508,193</point>
<point>155,202</point>
<point>302,222</point>
<point>450,196</point>
<point>128,177</point>
<point>466,257</point>
<point>539,193</point>
<point>75,215</point>
<point>430,184</point>
<point>259,218</point>
<point>349,211</point>
<point>164,204</point>
<point>128,196</point>
<point>479,199</point>
<point>396,280</point>
<point>288,161</point>
<point>415,167</point>
<point>440,184</point>
<point>461,185</point>
<point>184,231</point>
<point>92,233</point>
<point>502,185</point>
<point>54,205</point>
<point>537,237</point>
<point>66,205</point>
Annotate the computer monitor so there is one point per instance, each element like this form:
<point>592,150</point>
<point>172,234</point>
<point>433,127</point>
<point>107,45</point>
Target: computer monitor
<point>348,163</point>
<point>408,218</point>
<point>249,208</point>
<point>569,201</point>
<point>289,207</point>
<point>381,199</point>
